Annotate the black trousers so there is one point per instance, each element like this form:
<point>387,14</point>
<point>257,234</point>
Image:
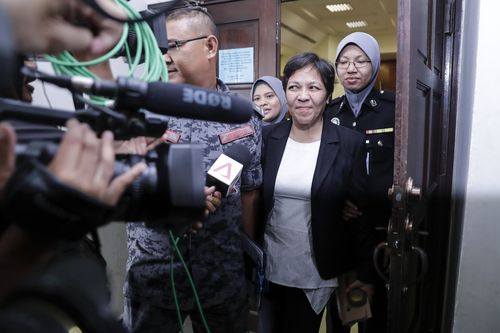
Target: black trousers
<point>287,310</point>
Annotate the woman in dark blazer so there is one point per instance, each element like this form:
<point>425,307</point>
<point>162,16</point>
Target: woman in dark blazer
<point>310,168</point>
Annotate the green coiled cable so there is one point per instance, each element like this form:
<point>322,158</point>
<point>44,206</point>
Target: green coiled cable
<point>154,69</point>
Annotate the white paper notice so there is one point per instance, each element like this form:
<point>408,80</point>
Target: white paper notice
<point>236,65</point>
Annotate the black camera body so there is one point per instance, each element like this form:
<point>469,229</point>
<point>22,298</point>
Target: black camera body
<point>168,194</point>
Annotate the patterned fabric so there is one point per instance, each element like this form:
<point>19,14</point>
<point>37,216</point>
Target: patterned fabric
<point>214,254</point>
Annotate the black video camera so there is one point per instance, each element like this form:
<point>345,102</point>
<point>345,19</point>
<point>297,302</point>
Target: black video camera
<point>168,194</point>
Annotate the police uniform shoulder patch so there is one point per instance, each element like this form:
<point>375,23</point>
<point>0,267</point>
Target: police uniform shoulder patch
<point>171,136</point>
<point>386,95</point>
<point>237,133</point>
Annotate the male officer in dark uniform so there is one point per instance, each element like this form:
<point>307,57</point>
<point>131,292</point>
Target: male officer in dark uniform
<point>371,112</point>
<point>214,255</point>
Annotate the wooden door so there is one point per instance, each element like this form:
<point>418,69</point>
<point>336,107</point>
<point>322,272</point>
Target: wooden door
<point>247,25</point>
<point>419,227</point>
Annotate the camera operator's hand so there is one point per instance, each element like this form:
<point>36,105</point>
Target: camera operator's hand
<point>74,194</point>
<point>56,25</point>
<point>87,163</point>
<point>7,155</point>
<point>138,146</point>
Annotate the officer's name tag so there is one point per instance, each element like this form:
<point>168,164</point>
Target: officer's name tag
<point>236,134</point>
<point>171,136</point>
<point>380,130</point>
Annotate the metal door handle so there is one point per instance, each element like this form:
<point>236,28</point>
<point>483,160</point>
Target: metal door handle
<point>376,252</point>
<point>423,261</point>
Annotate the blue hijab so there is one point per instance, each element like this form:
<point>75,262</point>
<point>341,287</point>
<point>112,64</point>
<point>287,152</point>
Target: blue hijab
<point>277,86</point>
<point>370,47</point>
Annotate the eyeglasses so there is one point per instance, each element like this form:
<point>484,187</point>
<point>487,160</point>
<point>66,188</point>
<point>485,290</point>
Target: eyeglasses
<point>344,64</point>
<point>178,43</point>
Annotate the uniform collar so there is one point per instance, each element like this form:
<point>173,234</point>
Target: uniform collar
<point>371,101</point>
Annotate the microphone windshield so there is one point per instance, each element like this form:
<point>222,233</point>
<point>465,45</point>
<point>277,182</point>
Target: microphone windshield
<point>187,101</point>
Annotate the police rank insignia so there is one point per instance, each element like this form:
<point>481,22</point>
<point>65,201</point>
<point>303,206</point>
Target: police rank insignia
<point>335,120</point>
<point>373,102</point>
<point>236,134</point>
<point>171,136</point>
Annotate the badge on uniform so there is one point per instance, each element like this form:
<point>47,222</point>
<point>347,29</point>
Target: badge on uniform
<point>171,136</point>
<point>236,134</point>
<point>380,130</point>
<point>373,103</point>
<point>335,121</point>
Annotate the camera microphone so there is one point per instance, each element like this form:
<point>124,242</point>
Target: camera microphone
<point>170,99</point>
<point>226,170</point>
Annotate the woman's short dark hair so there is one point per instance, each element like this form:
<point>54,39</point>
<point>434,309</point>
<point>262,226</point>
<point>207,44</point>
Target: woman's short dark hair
<point>301,60</point>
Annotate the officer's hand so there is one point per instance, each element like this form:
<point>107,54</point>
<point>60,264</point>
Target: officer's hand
<point>213,201</point>
<point>7,154</point>
<point>350,211</point>
<point>87,164</point>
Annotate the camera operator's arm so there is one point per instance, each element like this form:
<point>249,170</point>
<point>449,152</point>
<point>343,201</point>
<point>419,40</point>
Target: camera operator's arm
<point>56,25</point>
<point>80,175</point>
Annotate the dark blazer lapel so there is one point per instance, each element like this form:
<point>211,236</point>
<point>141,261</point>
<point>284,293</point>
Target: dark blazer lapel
<point>328,151</point>
<point>274,153</point>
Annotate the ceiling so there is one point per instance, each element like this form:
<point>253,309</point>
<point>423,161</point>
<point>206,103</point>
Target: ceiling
<point>306,24</point>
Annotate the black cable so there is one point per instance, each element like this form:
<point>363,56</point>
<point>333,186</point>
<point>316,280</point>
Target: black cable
<point>98,8</point>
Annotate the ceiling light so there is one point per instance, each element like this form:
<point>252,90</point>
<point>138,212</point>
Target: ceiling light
<point>339,7</point>
<point>356,24</point>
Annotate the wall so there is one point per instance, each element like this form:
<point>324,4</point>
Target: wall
<point>477,302</point>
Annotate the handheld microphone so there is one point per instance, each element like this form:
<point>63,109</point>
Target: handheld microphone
<point>226,170</point>
<point>170,99</point>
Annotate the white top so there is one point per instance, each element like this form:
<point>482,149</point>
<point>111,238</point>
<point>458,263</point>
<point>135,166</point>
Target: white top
<point>288,237</point>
